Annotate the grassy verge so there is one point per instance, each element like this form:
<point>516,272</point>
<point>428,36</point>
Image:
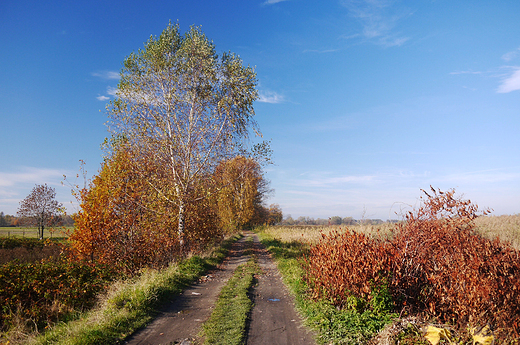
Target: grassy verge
<point>130,305</point>
<point>227,323</point>
<point>333,326</point>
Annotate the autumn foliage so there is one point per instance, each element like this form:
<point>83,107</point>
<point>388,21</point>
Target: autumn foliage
<point>44,292</point>
<point>125,221</point>
<point>435,264</point>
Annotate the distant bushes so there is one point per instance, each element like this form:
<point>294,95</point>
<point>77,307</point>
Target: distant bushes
<point>435,264</point>
<point>25,250</point>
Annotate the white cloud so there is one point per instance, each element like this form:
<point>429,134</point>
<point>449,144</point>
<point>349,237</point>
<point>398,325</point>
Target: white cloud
<point>511,83</point>
<point>28,175</point>
<point>112,91</point>
<point>271,2</point>
<point>511,55</point>
<point>466,72</point>
<point>378,20</point>
<point>335,181</point>
<point>108,75</point>
<point>270,97</point>
<point>482,177</point>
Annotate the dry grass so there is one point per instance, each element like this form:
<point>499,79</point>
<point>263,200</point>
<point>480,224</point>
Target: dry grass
<point>312,234</point>
<point>506,228</point>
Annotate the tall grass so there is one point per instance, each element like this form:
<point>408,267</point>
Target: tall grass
<point>311,234</point>
<point>505,227</point>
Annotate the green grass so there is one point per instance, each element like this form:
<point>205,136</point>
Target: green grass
<point>227,323</point>
<point>333,326</point>
<point>131,304</point>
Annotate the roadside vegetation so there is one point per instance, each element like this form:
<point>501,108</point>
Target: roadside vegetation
<point>130,303</point>
<point>434,274</point>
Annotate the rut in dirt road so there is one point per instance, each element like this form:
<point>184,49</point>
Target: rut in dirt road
<point>274,320</point>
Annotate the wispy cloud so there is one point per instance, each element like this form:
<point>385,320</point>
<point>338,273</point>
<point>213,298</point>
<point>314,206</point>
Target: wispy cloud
<point>511,55</point>
<point>271,2</point>
<point>17,184</point>
<point>378,19</point>
<point>482,177</point>
<point>28,175</point>
<point>270,97</point>
<point>102,98</point>
<point>324,51</point>
<point>111,91</point>
<point>511,82</point>
<point>465,72</point>
<point>107,75</point>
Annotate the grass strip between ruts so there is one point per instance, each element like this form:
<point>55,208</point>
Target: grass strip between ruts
<point>227,323</point>
<point>131,305</point>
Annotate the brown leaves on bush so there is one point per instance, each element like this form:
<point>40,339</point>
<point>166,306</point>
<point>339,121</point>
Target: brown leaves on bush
<point>435,264</point>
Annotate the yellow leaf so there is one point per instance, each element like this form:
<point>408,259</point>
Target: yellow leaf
<point>484,336</point>
<point>435,334</point>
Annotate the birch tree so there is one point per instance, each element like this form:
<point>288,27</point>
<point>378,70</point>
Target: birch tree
<point>185,107</point>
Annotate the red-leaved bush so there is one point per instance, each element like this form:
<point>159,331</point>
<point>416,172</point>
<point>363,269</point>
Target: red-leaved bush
<point>435,264</point>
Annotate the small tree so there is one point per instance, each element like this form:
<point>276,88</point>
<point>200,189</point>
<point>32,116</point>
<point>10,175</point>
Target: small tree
<point>275,214</point>
<point>40,208</point>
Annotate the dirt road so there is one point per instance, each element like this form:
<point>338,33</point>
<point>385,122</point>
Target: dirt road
<point>274,320</point>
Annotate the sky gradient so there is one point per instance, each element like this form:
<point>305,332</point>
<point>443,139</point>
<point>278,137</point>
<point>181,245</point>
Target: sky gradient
<point>365,102</point>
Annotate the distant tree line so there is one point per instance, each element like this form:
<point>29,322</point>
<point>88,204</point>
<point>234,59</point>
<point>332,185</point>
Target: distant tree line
<point>7,220</point>
<point>335,220</point>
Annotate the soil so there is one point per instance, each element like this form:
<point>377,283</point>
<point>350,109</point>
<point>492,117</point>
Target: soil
<point>273,319</point>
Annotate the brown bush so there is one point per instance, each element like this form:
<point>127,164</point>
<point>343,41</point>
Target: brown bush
<point>435,264</point>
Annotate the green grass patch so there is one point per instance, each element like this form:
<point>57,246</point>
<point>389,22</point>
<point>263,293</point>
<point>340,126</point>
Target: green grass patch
<point>131,304</point>
<point>333,326</point>
<point>227,323</point>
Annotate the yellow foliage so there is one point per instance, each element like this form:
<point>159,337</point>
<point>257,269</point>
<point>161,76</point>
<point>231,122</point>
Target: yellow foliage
<point>435,334</point>
<point>483,336</point>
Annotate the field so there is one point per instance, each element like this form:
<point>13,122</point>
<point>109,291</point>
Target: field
<point>32,232</point>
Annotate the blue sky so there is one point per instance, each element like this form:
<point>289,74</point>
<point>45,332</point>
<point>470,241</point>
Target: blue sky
<point>365,102</point>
